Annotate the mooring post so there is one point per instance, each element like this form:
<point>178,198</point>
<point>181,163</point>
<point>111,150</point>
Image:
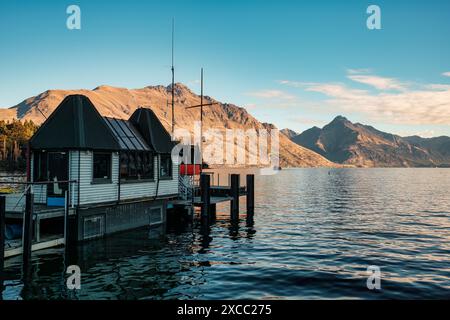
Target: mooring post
<point>2,240</point>
<point>212,212</point>
<point>66,218</point>
<point>205,184</point>
<point>234,205</point>
<point>250,196</point>
<point>27,233</point>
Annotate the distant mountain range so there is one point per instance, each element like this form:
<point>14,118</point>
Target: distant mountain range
<point>122,102</point>
<point>340,143</point>
<point>289,133</point>
<point>344,142</point>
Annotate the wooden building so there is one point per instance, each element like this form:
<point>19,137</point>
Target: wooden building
<point>118,174</point>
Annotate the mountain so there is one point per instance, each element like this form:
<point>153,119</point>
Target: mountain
<point>344,142</point>
<point>289,133</point>
<point>121,103</point>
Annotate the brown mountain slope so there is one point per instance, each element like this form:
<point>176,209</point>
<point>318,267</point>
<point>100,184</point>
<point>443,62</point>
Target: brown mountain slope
<point>289,133</point>
<point>121,103</point>
<point>345,142</point>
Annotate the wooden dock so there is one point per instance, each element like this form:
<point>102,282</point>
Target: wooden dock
<point>213,200</point>
<point>210,196</point>
<point>33,239</point>
<point>14,248</point>
<point>40,213</point>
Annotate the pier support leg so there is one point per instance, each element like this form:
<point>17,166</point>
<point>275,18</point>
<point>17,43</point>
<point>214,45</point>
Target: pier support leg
<point>2,241</point>
<point>66,219</point>
<point>250,197</point>
<point>234,205</point>
<point>205,185</point>
<point>27,233</point>
<point>212,212</point>
<point>66,230</point>
<point>37,229</point>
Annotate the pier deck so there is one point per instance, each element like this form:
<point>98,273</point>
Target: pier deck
<point>213,200</point>
<point>14,247</point>
<point>41,241</point>
<point>41,212</point>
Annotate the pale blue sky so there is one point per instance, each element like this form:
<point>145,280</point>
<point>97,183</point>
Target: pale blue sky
<point>292,63</point>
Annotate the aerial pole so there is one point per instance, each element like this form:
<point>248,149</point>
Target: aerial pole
<point>201,115</point>
<point>173,80</point>
<point>200,106</point>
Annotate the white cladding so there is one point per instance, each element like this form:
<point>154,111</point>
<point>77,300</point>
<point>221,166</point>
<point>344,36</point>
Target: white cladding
<point>91,193</point>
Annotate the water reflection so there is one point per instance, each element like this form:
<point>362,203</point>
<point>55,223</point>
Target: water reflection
<point>314,233</point>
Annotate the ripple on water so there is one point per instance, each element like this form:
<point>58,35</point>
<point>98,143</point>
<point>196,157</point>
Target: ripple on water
<point>314,236</point>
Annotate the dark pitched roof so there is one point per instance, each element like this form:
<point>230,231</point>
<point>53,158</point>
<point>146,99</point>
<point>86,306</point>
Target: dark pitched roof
<point>75,124</point>
<point>128,136</point>
<point>152,130</point>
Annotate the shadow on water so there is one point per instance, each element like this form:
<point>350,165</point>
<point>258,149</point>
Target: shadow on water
<point>146,263</point>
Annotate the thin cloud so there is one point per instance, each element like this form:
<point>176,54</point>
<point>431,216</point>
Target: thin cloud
<point>358,71</point>
<point>272,94</point>
<point>446,74</point>
<point>426,104</point>
<point>380,83</point>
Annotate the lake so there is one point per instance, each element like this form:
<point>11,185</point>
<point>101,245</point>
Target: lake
<point>316,231</point>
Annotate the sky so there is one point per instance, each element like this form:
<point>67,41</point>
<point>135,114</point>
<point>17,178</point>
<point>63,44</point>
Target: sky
<point>296,64</point>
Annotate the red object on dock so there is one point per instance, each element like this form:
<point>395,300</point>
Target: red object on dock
<point>190,169</point>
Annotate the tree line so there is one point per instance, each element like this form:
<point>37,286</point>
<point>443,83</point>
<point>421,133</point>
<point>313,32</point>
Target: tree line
<point>14,136</point>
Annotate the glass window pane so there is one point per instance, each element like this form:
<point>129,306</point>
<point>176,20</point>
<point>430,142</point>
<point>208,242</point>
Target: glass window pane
<point>102,166</point>
<point>123,165</point>
<point>165,166</point>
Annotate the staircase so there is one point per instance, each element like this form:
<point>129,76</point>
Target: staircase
<point>187,186</point>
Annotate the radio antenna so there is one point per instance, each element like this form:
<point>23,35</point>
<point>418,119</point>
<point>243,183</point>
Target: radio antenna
<point>173,80</point>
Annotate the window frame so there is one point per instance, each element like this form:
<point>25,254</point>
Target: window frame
<point>138,166</point>
<point>170,176</point>
<point>40,166</point>
<point>107,180</point>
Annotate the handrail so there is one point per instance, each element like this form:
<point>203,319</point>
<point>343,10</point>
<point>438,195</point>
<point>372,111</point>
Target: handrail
<point>38,182</point>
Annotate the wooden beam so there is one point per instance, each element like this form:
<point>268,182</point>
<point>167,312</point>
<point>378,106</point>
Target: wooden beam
<point>28,233</point>
<point>250,190</point>
<point>234,205</point>
<point>205,184</point>
<point>202,105</point>
<point>2,239</point>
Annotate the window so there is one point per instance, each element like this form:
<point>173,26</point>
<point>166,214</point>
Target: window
<point>102,167</point>
<point>136,166</point>
<point>148,170</point>
<point>40,168</point>
<point>123,165</point>
<point>165,166</point>
<point>132,170</point>
<point>156,216</point>
<point>93,227</point>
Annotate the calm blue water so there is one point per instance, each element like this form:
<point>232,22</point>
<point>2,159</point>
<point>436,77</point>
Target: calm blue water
<point>315,233</point>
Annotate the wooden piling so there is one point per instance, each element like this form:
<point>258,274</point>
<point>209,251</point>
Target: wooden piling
<point>212,212</point>
<point>27,232</point>
<point>250,196</point>
<point>234,205</point>
<point>205,185</point>
<point>66,218</point>
<point>2,240</point>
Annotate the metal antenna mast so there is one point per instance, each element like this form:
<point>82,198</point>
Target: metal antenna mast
<point>173,80</point>
<point>201,111</point>
<point>201,105</point>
